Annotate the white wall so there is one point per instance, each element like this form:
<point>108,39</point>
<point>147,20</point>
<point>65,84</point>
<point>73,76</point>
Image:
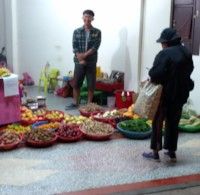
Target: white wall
<point>2,24</point>
<point>195,94</point>
<point>45,34</point>
<point>156,18</point>
<point>8,32</point>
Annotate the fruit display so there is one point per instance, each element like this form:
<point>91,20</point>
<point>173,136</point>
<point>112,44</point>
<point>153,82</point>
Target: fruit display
<point>97,130</point>
<point>46,125</point>
<point>74,120</point>
<point>4,72</point>
<point>18,129</point>
<point>130,113</point>
<point>112,117</point>
<point>27,116</point>
<point>90,109</point>
<point>54,115</point>
<point>109,114</point>
<point>70,133</point>
<point>9,140</point>
<point>137,125</point>
<point>40,112</point>
<point>41,138</point>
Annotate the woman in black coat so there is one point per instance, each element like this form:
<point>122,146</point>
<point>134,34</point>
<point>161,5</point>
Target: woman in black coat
<point>172,68</point>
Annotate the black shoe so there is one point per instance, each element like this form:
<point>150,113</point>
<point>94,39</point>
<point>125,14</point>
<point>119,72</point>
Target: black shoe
<point>71,106</point>
<point>151,156</point>
<point>171,155</point>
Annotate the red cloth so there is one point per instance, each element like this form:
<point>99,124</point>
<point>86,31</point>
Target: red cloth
<point>9,107</point>
<point>109,87</point>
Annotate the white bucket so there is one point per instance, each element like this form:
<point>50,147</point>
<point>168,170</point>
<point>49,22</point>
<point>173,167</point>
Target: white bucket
<point>111,101</point>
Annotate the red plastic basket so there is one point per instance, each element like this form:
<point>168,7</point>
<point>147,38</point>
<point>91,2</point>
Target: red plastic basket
<point>12,145</point>
<point>88,114</point>
<point>27,122</point>
<point>41,144</point>
<point>110,121</point>
<point>96,137</point>
<point>68,138</point>
<point>123,99</point>
<point>56,119</point>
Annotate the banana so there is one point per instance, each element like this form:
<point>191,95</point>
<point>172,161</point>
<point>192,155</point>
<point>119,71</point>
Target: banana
<point>4,72</point>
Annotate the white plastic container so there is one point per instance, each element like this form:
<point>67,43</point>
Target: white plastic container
<point>111,101</point>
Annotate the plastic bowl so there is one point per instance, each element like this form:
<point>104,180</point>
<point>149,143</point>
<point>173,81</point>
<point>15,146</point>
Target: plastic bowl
<point>88,114</point>
<point>56,119</point>
<point>189,130</point>
<point>12,145</point>
<point>134,134</point>
<point>26,122</point>
<point>35,144</point>
<point>96,137</point>
<point>71,139</point>
<point>39,123</point>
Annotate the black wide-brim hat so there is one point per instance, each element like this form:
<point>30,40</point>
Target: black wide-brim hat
<point>168,35</point>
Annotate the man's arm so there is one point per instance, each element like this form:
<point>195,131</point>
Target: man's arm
<point>75,43</point>
<point>95,47</point>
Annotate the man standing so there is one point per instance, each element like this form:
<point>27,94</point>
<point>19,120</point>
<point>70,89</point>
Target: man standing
<point>172,68</point>
<point>86,42</point>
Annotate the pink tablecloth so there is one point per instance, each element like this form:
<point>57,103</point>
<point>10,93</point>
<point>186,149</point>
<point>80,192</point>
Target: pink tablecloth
<point>9,107</point>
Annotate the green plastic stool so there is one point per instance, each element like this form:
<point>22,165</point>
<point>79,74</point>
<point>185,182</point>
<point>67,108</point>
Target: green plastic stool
<point>98,95</point>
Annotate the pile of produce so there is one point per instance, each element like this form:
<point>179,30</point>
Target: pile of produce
<point>27,115</point>
<point>49,126</point>
<point>109,114</point>
<point>97,128</point>
<point>136,125</point>
<point>18,129</point>
<point>8,140</point>
<point>130,113</point>
<point>111,117</point>
<point>193,122</point>
<point>40,136</point>
<point>90,109</point>
<point>40,112</point>
<point>54,115</point>
<point>4,72</point>
<point>74,120</point>
<point>69,133</point>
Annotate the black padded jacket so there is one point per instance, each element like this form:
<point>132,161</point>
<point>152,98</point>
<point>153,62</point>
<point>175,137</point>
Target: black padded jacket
<point>172,68</point>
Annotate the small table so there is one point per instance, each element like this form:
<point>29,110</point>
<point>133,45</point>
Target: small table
<point>109,87</point>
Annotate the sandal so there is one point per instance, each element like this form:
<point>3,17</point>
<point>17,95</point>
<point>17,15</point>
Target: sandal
<point>151,156</point>
<point>71,106</point>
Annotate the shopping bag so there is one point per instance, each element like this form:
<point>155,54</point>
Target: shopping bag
<point>148,100</point>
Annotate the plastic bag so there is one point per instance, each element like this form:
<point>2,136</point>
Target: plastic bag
<point>148,100</point>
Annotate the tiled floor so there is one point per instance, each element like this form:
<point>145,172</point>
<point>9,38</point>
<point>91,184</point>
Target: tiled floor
<point>87,164</point>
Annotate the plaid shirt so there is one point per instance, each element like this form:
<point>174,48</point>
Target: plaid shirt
<point>79,42</point>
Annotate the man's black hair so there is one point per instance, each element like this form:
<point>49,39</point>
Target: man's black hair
<point>89,12</point>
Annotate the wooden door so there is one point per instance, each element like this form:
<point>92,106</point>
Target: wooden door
<point>183,20</point>
<point>196,28</point>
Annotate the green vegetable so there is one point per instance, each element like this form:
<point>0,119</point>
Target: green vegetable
<point>138,125</point>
